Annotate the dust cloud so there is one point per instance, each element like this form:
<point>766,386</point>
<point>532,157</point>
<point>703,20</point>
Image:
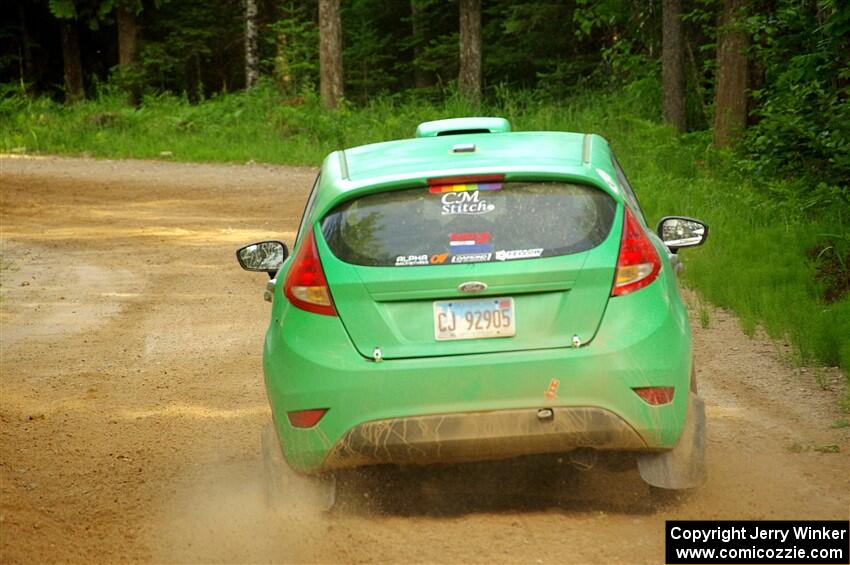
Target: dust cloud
<point>222,516</point>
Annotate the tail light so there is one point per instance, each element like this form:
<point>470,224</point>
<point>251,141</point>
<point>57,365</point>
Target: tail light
<point>656,395</point>
<point>638,263</point>
<point>306,418</point>
<point>306,286</point>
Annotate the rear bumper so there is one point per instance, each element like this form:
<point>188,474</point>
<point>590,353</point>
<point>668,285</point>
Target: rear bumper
<point>467,407</point>
<point>453,438</point>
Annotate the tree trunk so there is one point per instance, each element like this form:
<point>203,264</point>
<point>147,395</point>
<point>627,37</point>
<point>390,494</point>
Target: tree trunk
<point>420,77</point>
<point>696,77</point>
<point>199,79</point>
<point>71,59</point>
<point>730,101</point>
<point>252,62</point>
<point>673,65</point>
<point>27,66</point>
<point>282,67</point>
<point>128,35</point>
<point>330,53</point>
<point>469,78</point>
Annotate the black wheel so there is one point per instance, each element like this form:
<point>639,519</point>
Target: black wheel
<point>286,489</point>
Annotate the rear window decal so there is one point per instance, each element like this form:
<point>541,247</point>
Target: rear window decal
<point>471,258</point>
<point>406,260</point>
<point>503,255</point>
<point>465,203</point>
<point>461,243</point>
<point>443,188</point>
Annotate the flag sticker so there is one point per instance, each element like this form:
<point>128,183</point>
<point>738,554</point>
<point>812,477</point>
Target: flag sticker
<point>470,243</point>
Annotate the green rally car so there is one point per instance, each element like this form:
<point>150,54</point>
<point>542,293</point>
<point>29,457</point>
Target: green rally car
<point>476,293</point>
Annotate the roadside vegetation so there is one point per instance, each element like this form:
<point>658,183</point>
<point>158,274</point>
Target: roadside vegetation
<point>777,255</point>
<point>763,156</point>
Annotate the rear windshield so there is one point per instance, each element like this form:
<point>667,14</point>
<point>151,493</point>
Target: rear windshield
<point>469,223</point>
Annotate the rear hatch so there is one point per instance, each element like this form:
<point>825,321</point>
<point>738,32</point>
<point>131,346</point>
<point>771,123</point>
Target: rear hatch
<point>471,266</point>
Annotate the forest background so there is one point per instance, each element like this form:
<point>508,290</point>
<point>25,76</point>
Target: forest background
<point>733,111</point>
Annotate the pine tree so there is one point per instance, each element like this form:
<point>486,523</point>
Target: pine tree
<point>730,101</point>
<point>252,60</point>
<point>330,53</point>
<point>673,65</point>
<point>469,77</point>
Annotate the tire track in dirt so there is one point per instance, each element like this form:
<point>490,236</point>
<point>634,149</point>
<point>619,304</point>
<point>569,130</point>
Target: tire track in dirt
<point>131,401</point>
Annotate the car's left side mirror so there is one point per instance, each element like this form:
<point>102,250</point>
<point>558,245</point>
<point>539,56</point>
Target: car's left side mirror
<point>262,256</point>
<point>677,232</point>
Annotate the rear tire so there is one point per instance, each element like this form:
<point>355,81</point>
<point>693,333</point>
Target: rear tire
<point>286,489</point>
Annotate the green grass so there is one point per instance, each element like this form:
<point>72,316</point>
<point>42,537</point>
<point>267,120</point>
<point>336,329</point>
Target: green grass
<point>704,318</point>
<point>756,263</point>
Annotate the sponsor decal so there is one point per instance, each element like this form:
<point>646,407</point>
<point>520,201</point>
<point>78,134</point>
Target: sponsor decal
<point>465,203</point>
<point>405,260</point>
<point>439,258</point>
<point>443,188</point>
<point>460,243</point>
<point>518,254</point>
<point>471,258</point>
<point>608,180</point>
<point>552,391</point>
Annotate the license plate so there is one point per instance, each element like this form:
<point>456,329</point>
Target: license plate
<point>474,319</point>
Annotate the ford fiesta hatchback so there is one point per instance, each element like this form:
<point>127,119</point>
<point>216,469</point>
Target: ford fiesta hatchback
<point>472,294</point>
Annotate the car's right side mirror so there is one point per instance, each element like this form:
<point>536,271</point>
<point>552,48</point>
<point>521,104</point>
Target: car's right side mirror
<point>678,231</point>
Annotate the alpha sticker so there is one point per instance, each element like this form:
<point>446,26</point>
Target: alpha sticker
<point>460,243</point>
<point>465,204</point>
<point>503,255</point>
<point>406,260</point>
<point>471,258</point>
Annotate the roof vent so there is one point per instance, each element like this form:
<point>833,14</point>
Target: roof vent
<point>458,126</point>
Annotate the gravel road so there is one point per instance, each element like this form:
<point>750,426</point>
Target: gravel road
<point>132,401</point>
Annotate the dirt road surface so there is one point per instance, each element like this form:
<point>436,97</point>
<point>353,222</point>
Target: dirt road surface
<point>132,402</point>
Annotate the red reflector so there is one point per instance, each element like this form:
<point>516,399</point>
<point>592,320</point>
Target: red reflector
<point>656,395</point>
<point>306,286</point>
<point>306,418</point>
<point>638,263</point>
<point>465,179</point>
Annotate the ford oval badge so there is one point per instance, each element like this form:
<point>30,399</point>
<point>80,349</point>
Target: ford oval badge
<point>472,286</point>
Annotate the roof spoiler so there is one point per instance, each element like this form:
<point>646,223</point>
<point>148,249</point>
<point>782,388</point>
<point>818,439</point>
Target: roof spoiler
<point>456,126</point>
